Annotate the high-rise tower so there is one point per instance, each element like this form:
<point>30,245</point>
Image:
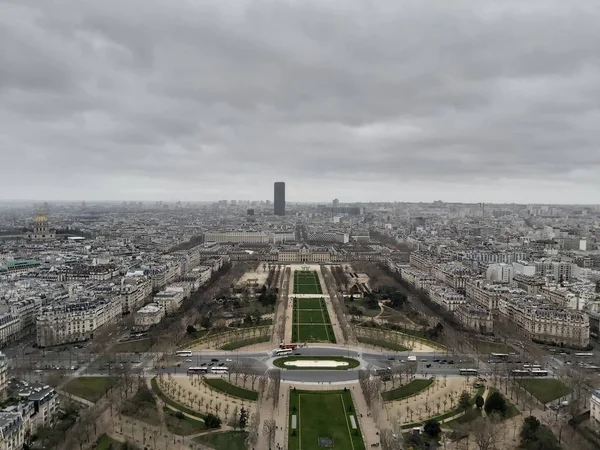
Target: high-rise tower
<point>279,198</point>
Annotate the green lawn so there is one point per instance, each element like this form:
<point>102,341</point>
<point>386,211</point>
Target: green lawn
<point>219,384</point>
<point>312,333</point>
<point>136,346</point>
<point>493,347</point>
<point>182,425</point>
<point>381,343</point>
<point>90,388</point>
<point>307,303</point>
<point>107,443</point>
<point>545,389</point>
<point>227,440</point>
<point>467,417</point>
<point>307,283</point>
<point>245,342</point>
<point>309,316</point>
<point>307,289</point>
<point>408,390</point>
<point>323,414</point>
<point>302,330</point>
<point>279,362</point>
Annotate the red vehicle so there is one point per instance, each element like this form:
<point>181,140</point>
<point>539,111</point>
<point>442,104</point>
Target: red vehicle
<point>290,346</point>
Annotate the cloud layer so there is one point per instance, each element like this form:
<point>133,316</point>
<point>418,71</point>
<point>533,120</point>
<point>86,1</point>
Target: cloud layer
<point>388,100</point>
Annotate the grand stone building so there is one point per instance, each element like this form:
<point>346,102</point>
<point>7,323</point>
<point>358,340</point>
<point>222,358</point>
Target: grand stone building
<point>75,321</point>
<point>41,230</point>
<point>544,322</point>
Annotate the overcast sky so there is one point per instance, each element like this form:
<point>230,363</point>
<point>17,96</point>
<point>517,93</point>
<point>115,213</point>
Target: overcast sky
<point>362,100</point>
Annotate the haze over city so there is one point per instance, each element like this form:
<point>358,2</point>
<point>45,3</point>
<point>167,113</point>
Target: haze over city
<point>395,100</point>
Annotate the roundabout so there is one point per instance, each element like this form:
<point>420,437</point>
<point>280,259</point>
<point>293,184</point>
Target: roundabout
<point>316,363</point>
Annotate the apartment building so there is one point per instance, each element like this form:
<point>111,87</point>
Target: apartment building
<point>26,310</point>
<point>524,268</point>
<point>500,272</point>
<point>3,375</point>
<point>10,328</point>
<point>421,262</point>
<point>328,236</point>
<point>557,270</point>
<point>75,321</point>
<point>278,237</point>
<point>595,407</point>
<point>147,316</point>
<point>531,285</point>
<point>491,256</point>
<point>215,262</point>
<point>417,278</point>
<point>475,317</point>
<point>169,299</point>
<point>37,407</point>
<point>545,322</point>
<point>451,274</point>
<point>12,431</point>
<point>240,237</point>
<point>135,289</point>
<point>446,298</point>
<point>487,294</point>
<point>560,296</point>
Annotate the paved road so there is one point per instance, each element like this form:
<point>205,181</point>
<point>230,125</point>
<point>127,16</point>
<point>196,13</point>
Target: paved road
<point>428,364</point>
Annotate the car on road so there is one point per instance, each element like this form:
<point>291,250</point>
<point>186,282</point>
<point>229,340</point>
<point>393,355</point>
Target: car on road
<point>214,360</point>
<point>211,364</point>
<point>428,366</point>
<point>436,360</point>
<point>391,358</point>
<point>189,360</point>
<point>202,365</point>
<point>229,360</point>
<point>451,362</point>
<point>423,360</point>
<point>221,364</point>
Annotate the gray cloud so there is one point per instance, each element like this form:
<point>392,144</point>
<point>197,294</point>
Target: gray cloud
<point>200,100</point>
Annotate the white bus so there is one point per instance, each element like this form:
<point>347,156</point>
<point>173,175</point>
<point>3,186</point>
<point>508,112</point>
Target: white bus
<point>468,372</point>
<point>584,355</point>
<point>184,353</point>
<point>220,370</point>
<point>282,351</point>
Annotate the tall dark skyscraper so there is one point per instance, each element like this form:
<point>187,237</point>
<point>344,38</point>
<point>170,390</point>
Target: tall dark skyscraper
<point>279,198</point>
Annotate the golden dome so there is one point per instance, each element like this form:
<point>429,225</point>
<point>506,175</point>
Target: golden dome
<point>40,219</point>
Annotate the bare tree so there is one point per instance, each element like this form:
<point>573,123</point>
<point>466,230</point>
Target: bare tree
<point>254,375</point>
<point>269,431</point>
<point>244,368</point>
<point>253,428</point>
<point>487,432</point>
